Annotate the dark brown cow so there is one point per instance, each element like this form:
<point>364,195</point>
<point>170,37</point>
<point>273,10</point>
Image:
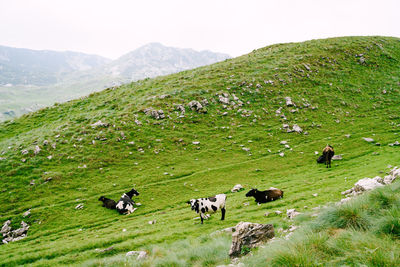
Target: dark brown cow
<point>265,196</point>
<point>327,155</point>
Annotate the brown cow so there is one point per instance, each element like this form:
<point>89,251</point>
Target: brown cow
<point>327,154</point>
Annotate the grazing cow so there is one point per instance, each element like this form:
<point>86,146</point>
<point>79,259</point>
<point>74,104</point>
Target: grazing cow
<point>108,203</point>
<point>208,205</point>
<point>125,203</point>
<point>265,196</point>
<point>327,154</point>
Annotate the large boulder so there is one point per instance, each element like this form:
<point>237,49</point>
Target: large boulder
<point>249,235</point>
<point>366,184</point>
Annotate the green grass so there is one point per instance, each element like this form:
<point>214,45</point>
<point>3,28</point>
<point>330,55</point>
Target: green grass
<point>348,99</point>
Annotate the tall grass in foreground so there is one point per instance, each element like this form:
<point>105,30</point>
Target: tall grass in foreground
<point>362,232</point>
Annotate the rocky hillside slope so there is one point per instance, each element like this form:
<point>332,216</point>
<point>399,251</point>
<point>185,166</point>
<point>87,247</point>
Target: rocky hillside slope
<point>32,79</point>
<point>195,134</point>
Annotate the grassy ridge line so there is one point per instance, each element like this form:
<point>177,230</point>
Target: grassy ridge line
<point>123,104</point>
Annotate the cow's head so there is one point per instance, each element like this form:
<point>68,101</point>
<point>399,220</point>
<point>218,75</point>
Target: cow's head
<point>102,198</point>
<point>251,193</point>
<point>132,193</point>
<point>194,203</point>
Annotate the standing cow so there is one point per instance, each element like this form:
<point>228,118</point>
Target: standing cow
<point>208,205</point>
<point>327,155</point>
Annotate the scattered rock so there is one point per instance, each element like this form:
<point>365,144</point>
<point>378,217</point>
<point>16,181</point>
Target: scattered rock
<point>139,254</point>
<point>282,154</point>
<point>24,152</point>
<point>291,213</point>
<point>367,139</point>
<point>196,143</point>
<point>289,102</point>
<point>153,222</point>
<point>337,157</point>
<point>393,175</point>
<point>250,235</point>
<point>27,213</point>
<point>10,235</point>
<point>297,128</point>
<point>237,188</point>
<point>79,206</point>
<point>278,212</point>
<point>99,124</point>
<point>36,150</point>
<point>196,106</point>
<point>156,114</point>
<point>104,250</point>
<point>347,135</point>
<point>315,194</point>
<point>395,144</point>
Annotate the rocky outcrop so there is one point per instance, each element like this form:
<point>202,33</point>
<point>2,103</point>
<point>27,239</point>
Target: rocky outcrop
<point>156,114</point>
<point>249,235</point>
<point>197,106</point>
<point>367,184</point>
<point>10,235</point>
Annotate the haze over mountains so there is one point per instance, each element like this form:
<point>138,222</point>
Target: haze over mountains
<point>31,79</point>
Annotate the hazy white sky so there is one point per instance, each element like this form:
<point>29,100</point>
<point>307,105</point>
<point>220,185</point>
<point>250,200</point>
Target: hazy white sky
<point>112,28</point>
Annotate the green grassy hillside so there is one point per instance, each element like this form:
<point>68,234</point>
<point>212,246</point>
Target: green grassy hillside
<point>341,86</point>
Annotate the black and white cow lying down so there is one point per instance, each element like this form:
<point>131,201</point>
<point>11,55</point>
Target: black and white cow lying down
<point>125,203</point>
<point>208,205</point>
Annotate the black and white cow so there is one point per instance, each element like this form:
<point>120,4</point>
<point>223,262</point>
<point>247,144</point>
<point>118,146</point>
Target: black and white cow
<point>125,203</point>
<point>208,205</point>
<point>108,203</point>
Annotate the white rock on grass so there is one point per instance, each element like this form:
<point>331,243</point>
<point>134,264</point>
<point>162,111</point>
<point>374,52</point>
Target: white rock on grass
<point>297,128</point>
<point>367,139</point>
<point>366,184</point>
<point>291,213</point>
<point>138,254</point>
<point>337,157</point>
<point>289,101</point>
<point>237,188</point>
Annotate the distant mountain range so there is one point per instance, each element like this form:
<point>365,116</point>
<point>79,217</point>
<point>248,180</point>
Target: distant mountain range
<point>31,79</point>
<point>19,66</point>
